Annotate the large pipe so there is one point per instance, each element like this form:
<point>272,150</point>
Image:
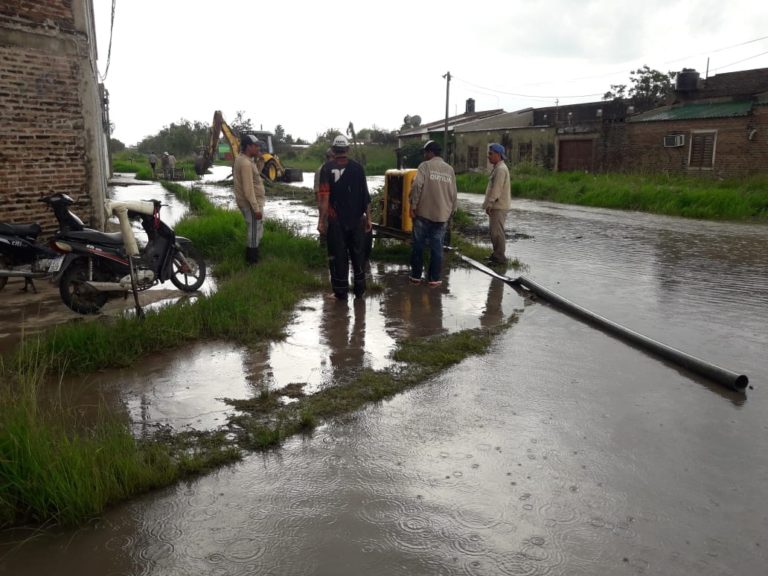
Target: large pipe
<point>715,373</point>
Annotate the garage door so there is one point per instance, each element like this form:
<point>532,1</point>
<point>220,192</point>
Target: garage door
<point>575,155</point>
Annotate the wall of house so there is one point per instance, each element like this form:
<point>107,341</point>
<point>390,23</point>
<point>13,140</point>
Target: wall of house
<point>51,133</point>
<point>522,144</point>
<point>735,154</point>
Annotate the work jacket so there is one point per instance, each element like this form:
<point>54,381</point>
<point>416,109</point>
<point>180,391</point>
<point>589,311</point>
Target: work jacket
<point>433,192</point>
<point>249,189</point>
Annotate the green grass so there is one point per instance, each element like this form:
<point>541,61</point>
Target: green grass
<point>689,197</point>
<point>133,162</point>
<point>55,469</point>
<point>377,158</point>
<point>418,360</point>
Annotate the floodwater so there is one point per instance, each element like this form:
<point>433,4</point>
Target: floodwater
<point>562,451</point>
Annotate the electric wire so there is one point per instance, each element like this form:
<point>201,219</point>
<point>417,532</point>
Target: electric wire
<point>549,97</point>
<point>109,50</point>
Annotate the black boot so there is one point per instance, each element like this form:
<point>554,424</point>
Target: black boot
<point>252,255</point>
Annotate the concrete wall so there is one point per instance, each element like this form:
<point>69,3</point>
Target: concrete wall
<point>735,154</point>
<point>52,137</point>
<point>517,141</point>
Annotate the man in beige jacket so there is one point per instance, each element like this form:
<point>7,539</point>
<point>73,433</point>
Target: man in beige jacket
<point>249,194</point>
<point>498,201</point>
<point>433,202</point>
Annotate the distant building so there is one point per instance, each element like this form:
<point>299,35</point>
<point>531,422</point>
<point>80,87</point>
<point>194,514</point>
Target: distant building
<point>53,133</point>
<point>436,130</point>
<point>716,126</point>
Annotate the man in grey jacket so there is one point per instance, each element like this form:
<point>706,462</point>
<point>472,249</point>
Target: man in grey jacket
<point>498,201</point>
<point>433,201</point>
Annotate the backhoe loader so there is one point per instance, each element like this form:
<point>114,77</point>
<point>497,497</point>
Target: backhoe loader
<point>269,164</point>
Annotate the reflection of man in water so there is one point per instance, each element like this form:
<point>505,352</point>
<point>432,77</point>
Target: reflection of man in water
<point>346,348</point>
<point>493,314</point>
<point>421,310</point>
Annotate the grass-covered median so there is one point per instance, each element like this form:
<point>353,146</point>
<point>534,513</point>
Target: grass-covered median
<point>690,197</point>
<point>57,469</point>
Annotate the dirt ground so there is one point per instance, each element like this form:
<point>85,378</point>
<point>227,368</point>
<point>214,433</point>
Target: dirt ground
<point>27,313</point>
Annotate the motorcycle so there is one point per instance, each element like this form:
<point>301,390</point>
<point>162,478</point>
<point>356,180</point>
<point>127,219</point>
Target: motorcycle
<point>98,265</point>
<point>23,256</point>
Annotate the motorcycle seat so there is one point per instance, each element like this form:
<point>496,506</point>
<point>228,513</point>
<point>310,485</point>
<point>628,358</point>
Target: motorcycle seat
<point>91,235</point>
<point>20,229</point>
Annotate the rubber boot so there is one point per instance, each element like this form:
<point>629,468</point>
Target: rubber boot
<point>252,255</point>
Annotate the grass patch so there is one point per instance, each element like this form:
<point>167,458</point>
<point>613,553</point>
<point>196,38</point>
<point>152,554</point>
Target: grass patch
<point>55,469</point>
<point>685,196</point>
<point>419,359</point>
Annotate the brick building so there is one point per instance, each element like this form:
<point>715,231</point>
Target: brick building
<point>52,127</point>
<point>715,127</point>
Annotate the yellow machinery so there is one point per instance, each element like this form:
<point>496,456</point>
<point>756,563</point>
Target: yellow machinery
<point>269,164</point>
<point>395,214</point>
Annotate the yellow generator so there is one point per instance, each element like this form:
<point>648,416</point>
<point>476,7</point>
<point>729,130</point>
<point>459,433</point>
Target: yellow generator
<point>395,214</point>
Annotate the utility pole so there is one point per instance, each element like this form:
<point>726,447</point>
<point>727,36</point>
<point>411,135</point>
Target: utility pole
<point>447,77</point>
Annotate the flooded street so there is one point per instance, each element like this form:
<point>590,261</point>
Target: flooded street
<point>563,451</point>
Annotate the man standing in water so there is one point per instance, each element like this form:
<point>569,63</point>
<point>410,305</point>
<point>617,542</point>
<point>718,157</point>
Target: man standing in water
<point>250,195</point>
<point>345,218</point>
<point>316,187</point>
<point>498,201</point>
<point>433,200</point>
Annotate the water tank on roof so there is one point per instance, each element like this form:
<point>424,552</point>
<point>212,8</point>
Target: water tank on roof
<point>687,80</point>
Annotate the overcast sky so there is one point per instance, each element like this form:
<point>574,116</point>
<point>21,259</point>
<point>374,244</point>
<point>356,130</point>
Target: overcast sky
<point>310,65</point>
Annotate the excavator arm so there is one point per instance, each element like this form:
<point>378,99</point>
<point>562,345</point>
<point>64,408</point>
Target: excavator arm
<point>205,160</point>
<point>269,164</point>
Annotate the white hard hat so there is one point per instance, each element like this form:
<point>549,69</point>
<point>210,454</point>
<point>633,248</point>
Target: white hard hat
<point>340,141</point>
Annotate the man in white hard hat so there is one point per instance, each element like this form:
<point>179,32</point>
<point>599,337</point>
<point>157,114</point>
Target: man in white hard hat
<point>345,218</point>
<point>497,202</point>
<point>250,195</point>
<point>433,201</point>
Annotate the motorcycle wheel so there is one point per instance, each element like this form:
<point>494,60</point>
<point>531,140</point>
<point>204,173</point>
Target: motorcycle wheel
<point>188,269</point>
<point>76,295</point>
<point>4,264</point>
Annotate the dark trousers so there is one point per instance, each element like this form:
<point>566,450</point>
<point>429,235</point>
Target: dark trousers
<point>345,246</point>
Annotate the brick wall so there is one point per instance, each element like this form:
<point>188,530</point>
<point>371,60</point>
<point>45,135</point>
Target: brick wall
<point>37,13</point>
<point>42,123</point>
<point>735,154</point>
<point>42,141</point>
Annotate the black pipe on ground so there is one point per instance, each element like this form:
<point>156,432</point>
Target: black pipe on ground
<point>715,373</point>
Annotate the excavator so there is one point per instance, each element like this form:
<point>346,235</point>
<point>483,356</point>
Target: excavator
<point>269,164</point>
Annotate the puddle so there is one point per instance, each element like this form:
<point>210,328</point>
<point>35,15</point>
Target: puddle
<point>327,341</point>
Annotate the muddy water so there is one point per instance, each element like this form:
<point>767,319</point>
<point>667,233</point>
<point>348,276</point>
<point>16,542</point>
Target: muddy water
<point>563,451</point>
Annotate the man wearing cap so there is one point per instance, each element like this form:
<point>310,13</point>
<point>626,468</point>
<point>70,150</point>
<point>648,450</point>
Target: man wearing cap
<point>433,201</point>
<point>345,218</point>
<point>498,201</point>
<point>250,195</point>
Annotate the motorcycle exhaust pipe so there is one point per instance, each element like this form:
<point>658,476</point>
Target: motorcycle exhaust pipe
<point>107,286</point>
<point>19,274</point>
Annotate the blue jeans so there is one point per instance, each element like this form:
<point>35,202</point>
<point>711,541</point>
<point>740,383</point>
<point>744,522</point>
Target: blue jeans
<point>432,233</point>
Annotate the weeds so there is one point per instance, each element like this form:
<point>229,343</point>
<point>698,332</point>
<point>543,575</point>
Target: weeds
<point>689,197</point>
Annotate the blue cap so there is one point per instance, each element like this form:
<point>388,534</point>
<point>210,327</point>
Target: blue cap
<point>498,148</point>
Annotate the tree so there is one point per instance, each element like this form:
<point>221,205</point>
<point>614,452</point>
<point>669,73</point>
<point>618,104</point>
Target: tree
<point>327,137</point>
<point>411,122</point>
<point>241,124</point>
<point>116,145</point>
<point>183,139</point>
<point>648,87</point>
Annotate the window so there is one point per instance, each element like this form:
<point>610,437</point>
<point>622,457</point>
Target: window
<point>525,152</point>
<point>473,157</point>
<point>702,152</point>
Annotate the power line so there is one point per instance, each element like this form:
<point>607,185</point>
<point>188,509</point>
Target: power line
<point>544,97</point>
<point>537,97</point>
<point>109,51</point>
<point>740,61</point>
